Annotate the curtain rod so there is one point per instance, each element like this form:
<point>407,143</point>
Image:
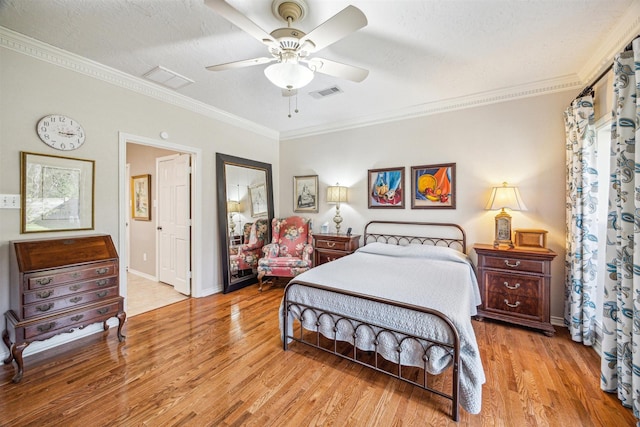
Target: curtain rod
<point>589,89</point>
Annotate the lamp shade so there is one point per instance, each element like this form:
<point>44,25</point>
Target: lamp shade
<point>288,75</point>
<point>336,194</point>
<point>233,206</point>
<point>505,197</point>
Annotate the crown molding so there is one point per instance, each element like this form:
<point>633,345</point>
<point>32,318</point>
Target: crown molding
<point>543,87</point>
<point>12,40</point>
<point>625,30</point>
<point>602,57</point>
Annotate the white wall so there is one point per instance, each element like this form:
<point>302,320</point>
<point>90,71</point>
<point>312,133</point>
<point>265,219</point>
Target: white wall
<point>31,88</point>
<point>521,142</point>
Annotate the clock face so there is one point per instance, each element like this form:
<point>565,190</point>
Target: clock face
<point>60,132</point>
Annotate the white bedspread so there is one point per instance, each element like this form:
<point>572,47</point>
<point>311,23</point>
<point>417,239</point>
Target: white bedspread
<point>435,277</point>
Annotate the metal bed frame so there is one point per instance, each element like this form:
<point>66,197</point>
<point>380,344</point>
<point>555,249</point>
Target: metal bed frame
<point>304,312</point>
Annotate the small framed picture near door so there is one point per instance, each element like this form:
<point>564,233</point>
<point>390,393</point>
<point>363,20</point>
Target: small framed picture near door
<point>305,193</point>
<point>140,193</point>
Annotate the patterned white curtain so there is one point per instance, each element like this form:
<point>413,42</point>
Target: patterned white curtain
<point>582,226</point>
<point>621,319</point>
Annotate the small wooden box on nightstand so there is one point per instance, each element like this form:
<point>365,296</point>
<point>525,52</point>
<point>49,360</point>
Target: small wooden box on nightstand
<point>329,247</point>
<point>515,285</point>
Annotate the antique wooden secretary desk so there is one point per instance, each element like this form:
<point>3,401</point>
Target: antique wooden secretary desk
<point>58,285</point>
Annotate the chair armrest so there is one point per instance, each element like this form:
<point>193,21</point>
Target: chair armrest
<point>307,254</point>
<point>248,247</point>
<point>271,250</point>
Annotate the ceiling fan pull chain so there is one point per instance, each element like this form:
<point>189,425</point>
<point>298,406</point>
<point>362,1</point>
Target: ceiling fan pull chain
<point>289,107</point>
<point>296,110</point>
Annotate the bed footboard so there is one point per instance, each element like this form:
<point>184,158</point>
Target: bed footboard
<point>295,313</point>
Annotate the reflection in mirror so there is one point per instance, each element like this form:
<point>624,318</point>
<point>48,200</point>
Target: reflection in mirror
<point>245,210</point>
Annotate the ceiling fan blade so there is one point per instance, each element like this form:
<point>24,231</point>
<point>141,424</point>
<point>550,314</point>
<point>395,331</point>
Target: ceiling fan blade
<point>240,64</point>
<point>337,69</point>
<point>342,24</point>
<point>232,15</point>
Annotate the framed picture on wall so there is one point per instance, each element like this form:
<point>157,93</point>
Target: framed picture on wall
<point>57,193</point>
<point>140,194</point>
<point>305,193</point>
<point>386,188</point>
<point>258,199</point>
<point>433,186</point>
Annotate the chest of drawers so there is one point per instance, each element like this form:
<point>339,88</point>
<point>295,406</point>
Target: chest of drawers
<point>515,286</point>
<point>58,285</point>
<point>328,247</point>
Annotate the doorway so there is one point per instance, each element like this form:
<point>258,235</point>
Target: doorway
<point>139,237</point>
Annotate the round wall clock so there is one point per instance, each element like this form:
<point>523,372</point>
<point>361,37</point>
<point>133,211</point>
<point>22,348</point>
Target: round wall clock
<point>60,132</point>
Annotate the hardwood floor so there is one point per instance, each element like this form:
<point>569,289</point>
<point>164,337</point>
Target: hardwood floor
<point>218,361</point>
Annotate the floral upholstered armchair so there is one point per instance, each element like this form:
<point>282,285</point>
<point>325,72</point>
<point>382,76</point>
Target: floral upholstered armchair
<point>245,261</point>
<point>290,251</point>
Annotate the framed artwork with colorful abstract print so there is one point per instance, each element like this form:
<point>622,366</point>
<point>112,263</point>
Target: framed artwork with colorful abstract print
<point>386,188</point>
<point>433,186</point>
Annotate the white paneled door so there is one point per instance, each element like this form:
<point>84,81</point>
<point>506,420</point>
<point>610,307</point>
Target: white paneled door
<point>174,221</point>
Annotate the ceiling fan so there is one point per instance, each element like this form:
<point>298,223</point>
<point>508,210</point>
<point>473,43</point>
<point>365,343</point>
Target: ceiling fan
<point>290,47</point>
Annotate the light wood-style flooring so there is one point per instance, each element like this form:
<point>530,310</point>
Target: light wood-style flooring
<point>145,295</point>
<point>218,361</point>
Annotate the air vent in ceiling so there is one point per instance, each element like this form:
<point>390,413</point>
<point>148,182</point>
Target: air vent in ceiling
<point>333,90</point>
<point>167,78</point>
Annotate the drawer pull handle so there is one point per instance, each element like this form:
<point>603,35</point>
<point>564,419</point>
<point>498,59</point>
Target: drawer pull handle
<point>44,281</point>
<point>331,244</point>
<point>101,282</point>
<point>103,310</point>
<point>75,274</point>
<point>47,327</point>
<point>44,307</point>
<point>74,287</point>
<point>75,299</point>
<point>103,270</point>
<point>512,305</point>
<point>506,262</point>
<point>506,284</point>
<point>44,294</point>
<point>102,294</point>
<point>78,317</point>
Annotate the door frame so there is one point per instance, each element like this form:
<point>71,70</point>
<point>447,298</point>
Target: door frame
<point>196,206</point>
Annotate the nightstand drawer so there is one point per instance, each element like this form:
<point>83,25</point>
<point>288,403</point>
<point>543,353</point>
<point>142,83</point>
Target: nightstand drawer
<point>513,304</point>
<point>515,264</point>
<point>511,284</point>
<point>329,247</point>
<point>333,244</point>
<point>328,256</point>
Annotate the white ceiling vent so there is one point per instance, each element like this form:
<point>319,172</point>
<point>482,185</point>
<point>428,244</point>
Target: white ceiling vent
<point>167,78</point>
<point>333,90</point>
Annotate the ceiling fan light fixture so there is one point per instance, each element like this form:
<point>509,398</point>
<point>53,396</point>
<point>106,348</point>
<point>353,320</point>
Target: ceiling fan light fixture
<point>288,75</point>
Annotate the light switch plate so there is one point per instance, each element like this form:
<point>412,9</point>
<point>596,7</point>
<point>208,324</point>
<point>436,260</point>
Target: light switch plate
<point>9,201</point>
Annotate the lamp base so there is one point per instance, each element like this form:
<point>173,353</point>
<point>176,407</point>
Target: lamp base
<point>337,219</point>
<point>503,230</point>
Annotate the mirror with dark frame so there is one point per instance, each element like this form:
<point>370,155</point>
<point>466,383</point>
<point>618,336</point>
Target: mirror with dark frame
<point>245,211</point>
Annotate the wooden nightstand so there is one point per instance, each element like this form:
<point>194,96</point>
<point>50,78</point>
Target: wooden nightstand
<point>333,246</point>
<point>514,285</point>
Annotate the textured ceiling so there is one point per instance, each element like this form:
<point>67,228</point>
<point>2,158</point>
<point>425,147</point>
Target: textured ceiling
<point>419,53</point>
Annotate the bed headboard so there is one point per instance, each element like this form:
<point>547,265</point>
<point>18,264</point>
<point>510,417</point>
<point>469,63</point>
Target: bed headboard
<point>424,233</point>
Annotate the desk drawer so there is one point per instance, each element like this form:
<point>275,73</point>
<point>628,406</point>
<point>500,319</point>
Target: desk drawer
<point>43,308</point>
<point>59,276</point>
<point>64,323</point>
<point>67,289</point>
